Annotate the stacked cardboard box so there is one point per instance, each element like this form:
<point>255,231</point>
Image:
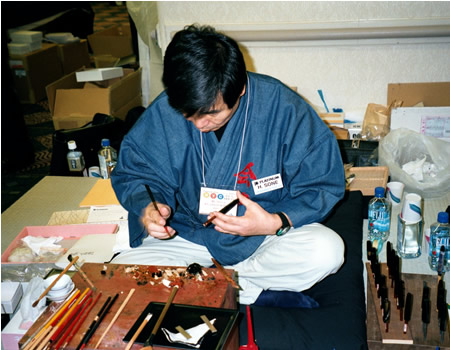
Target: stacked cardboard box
<point>33,71</point>
<point>74,56</point>
<point>111,45</point>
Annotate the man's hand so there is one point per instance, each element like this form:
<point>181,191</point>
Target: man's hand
<point>155,222</point>
<point>256,220</point>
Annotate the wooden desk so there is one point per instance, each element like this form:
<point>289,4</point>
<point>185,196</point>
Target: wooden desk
<point>212,291</point>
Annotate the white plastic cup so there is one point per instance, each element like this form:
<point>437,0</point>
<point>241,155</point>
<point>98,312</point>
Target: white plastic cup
<point>412,208</point>
<point>94,171</point>
<point>394,192</point>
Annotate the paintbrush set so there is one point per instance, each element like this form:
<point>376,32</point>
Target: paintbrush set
<point>135,304</point>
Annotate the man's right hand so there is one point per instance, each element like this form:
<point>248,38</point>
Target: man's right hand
<point>154,221</point>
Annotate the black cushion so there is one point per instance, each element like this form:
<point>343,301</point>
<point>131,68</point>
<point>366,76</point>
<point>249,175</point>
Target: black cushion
<point>339,321</point>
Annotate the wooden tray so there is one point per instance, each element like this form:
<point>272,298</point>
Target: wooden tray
<point>367,178</point>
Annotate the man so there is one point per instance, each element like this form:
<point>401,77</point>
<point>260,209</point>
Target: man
<point>216,133</point>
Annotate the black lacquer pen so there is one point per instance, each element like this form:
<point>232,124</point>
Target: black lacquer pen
<point>386,313</point>
<point>441,262</point>
<point>224,210</point>
<point>401,298</point>
<point>426,309</point>
<point>442,315</point>
<point>408,311</point>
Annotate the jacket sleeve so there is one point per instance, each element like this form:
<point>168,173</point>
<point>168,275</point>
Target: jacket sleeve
<point>136,167</point>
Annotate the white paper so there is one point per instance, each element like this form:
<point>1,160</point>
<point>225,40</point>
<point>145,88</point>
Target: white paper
<point>95,248</point>
<point>107,213</point>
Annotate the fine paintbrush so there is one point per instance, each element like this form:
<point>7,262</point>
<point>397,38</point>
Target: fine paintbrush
<point>152,198</point>
<point>74,260</point>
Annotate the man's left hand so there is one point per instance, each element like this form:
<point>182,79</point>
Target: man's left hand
<point>256,220</point>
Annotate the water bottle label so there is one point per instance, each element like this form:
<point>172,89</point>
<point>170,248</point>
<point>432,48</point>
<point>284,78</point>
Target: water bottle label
<point>379,220</point>
<point>442,241</point>
<point>76,164</point>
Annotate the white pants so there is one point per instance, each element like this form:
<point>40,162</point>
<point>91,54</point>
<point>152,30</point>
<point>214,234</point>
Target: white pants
<point>293,262</point>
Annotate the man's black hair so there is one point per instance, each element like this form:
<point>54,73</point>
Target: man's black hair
<point>199,65</point>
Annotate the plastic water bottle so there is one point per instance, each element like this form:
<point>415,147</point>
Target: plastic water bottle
<point>107,159</point>
<point>75,160</point>
<point>439,236</point>
<point>379,217</point>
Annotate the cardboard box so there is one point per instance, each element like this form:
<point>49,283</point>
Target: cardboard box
<point>32,72</point>
<point>12,333</point>
<point>431,94</point>
<point>115,41</point>
<point>74,56</point>
<point>70,234</point>
<point>73,104</point>
<point>11,295</point>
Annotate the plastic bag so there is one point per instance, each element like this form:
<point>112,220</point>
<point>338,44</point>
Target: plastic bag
<point>29,313</point>
<point>377,121</point>
<point>404,151</point>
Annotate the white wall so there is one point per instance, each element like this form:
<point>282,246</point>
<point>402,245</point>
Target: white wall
<point>351,72</point>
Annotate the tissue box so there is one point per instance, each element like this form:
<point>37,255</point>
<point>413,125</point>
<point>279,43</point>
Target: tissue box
<point>11,294</point>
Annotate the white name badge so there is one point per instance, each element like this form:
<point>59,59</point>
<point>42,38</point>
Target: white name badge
<point>214,199</point>
<point>267,184</point>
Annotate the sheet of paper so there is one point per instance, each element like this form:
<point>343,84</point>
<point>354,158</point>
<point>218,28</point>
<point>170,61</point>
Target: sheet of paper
<point>112,214</point>
<point>69,217</point>
<point>101,193</point>
<point>95,248</point>
<point>107,213</point>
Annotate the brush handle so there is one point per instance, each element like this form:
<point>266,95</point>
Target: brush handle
<point>56,280</point>
<point>149,341</point>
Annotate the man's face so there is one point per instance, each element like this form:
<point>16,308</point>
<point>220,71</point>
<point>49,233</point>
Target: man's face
<point>216,117</point>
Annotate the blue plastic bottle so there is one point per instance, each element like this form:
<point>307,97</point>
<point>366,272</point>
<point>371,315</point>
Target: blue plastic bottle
<point>379,217</point>
<point>439,236</point>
